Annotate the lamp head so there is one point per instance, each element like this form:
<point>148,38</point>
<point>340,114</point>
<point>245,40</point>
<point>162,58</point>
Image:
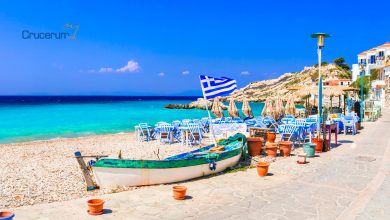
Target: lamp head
<point>320,38</point>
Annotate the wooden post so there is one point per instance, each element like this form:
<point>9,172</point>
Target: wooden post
<point>87,176</point>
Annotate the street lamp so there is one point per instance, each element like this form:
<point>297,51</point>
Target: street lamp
<point>320,44</point>
<point>362,74</point>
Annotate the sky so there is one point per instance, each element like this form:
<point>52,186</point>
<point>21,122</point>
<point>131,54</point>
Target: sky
<point>161,47</point>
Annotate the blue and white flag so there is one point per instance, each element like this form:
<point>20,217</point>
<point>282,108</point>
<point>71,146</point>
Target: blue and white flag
<point>213,87</point>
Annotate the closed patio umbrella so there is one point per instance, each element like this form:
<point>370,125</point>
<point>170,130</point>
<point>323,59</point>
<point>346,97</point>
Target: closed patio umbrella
<point>217,108</point>
<point>268,106</point>
<point>246,109</point>
<point>232,109</point>
<point>290,106</point>
<point>279,108</point>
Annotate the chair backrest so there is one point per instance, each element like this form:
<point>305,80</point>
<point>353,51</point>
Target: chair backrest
<point>162,123</point>
<point>348,117</point>
<point>287,120</point>
<point>185,122</point>
<point>144,128</point>
<point>176,123</point>
<point>165,128</point>
<point>143,124</point>
<point>196,121</point>
<point>194,128</point>
<point>289,129</point>
<point>300,122</point>
<point>259,124</point>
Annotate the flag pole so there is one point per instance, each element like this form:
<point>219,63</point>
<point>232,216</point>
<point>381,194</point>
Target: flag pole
<point>209,115</point>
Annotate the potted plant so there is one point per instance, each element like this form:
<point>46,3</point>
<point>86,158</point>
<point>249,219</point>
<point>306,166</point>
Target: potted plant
<point>95,206</point>
<point>6,215</point>
<point>179,192</point>
<point>285,148</point>
<point>254,145</point>
<point>309,149</point>
<point>271,149</point>
<point>262,168</point>
<point>318,142</point>
<point>271,136</point>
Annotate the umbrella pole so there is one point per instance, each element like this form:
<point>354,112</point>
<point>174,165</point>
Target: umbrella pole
<point>339,101</point>
<point>331,104</point>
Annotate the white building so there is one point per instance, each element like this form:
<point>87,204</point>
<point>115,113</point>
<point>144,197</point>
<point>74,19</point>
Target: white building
<point>377,58</point>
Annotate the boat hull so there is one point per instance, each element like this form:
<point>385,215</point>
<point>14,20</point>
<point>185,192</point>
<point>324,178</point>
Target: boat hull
<point>114,177</point>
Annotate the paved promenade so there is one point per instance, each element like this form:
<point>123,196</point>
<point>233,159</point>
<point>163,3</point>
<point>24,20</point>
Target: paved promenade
<point>350,182</point>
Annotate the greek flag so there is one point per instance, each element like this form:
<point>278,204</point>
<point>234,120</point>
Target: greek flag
<point>213,87</point>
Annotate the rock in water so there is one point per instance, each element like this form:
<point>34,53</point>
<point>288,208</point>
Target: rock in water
<point>178,106</point>
<point>198,104</point>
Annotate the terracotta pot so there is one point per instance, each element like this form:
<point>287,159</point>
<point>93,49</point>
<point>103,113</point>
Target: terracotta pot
<point>271,149</point>
<point>285,148</point>
<point>95,206</point>
<point>179,192</point>
<point>262,168</point>
<point>271,136</point>
<point>6,215</point>
<point>254,145</point>
<point>301,158</point>
<point>318,142</point>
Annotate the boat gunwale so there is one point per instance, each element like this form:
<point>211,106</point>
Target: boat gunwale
<point>167,164</point>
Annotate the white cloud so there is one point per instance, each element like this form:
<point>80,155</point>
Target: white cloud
<point>132,66</point>
<point>244,73</point>
<point>186,72</point>
<point>106,70</point>
<point>161,74</point>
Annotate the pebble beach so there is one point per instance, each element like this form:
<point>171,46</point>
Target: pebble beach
<point>46,171</point>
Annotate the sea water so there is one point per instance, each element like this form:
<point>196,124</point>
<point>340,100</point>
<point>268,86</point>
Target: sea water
<point>38,118</point>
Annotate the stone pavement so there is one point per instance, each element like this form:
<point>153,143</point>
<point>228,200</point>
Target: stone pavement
<point>352,181</point>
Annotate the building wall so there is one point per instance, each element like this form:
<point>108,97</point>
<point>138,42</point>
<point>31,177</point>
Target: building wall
<point>355,71</point>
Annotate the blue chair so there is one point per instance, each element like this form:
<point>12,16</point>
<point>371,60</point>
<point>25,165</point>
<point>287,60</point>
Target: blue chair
<point>270,122</point>
<point>196,136</point>
<point>165,132</point>
<point>289,132</point>
<point>349,123</point>
<point>145,133</point>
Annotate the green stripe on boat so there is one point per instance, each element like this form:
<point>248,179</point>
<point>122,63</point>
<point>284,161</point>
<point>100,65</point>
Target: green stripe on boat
<point>193,160</point>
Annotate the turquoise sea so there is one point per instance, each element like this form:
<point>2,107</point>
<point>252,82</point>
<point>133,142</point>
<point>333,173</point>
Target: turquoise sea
<point>37,118</point>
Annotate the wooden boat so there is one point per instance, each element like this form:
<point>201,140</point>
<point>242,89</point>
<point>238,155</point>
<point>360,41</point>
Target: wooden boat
<point>197,163</point>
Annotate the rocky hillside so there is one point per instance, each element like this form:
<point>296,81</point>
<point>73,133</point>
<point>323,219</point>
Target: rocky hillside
<point>260,90</point>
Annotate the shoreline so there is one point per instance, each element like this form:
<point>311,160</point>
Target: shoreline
<point>66,138</point>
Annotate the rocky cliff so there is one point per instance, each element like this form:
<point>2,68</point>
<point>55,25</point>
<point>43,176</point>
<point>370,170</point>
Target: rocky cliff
<point>260,90</point>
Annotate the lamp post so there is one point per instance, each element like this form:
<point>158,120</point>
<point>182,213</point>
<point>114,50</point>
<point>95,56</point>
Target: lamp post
<point>320,44</point>
<point>362,73</point>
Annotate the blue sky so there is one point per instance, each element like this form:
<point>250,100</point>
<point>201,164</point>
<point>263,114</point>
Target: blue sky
<point>162,46</point>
